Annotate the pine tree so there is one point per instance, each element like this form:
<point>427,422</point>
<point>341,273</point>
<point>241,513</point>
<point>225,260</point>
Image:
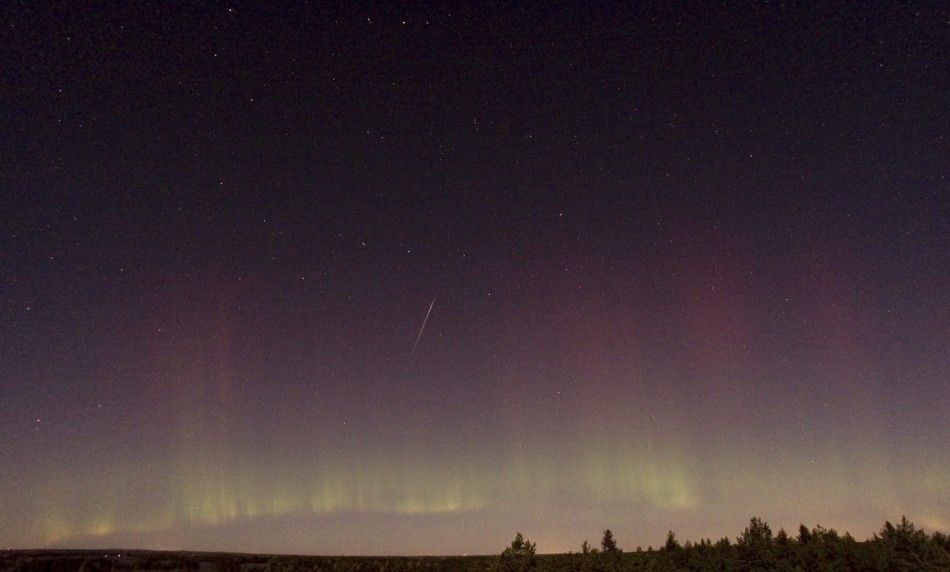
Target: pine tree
<point>607,544</point>
<point>520,555</point>
<point>671,543</point>
<point>783,545</point>
<point>754,547</point>
<point>804,535</point>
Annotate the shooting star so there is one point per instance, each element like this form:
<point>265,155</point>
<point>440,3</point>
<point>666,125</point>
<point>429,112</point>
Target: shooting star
<point>423,328</point>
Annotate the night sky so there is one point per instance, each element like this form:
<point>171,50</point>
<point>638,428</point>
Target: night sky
<point>685,264</point>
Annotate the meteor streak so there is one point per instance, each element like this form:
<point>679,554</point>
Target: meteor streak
<point>422,329</point>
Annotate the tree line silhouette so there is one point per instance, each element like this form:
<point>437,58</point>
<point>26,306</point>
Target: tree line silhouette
<point>895,548</point>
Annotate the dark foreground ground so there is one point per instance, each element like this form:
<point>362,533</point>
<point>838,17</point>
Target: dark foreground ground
<point>895,548</point>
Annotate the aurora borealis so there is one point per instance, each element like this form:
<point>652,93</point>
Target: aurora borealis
<point>690,264</point>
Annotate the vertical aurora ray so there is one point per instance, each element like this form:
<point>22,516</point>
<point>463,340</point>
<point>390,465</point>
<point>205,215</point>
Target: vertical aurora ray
<point>690,267</point>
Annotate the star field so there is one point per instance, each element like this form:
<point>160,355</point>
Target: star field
<point>686,264</point>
